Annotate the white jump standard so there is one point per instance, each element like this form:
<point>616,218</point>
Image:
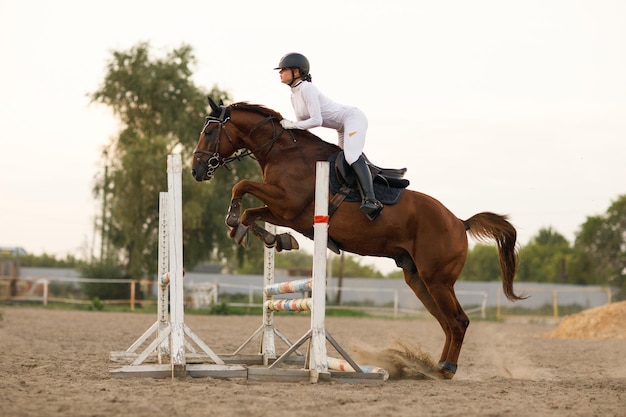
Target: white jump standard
<point>171,333</point>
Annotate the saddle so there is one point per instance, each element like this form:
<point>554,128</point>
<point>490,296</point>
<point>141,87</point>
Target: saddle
<point>389,183</point>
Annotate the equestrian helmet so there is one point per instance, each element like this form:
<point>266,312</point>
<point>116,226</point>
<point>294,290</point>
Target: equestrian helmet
<point>294,60</point>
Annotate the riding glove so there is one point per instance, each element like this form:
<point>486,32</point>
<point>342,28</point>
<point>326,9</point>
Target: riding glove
<point>288,124</point>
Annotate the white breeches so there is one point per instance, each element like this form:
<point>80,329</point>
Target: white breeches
<point>352,138</point>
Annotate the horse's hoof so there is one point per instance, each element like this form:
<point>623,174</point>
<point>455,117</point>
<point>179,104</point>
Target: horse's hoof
<point>285,241</point>
<point>440,375</point>
<point>446,374</point>
<point>446,370</point>
<point>232,220</point>
<point>240,235</point>
<point>269,241</point>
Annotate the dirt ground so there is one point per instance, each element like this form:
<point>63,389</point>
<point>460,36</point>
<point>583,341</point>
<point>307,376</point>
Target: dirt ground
<point>56,363</point>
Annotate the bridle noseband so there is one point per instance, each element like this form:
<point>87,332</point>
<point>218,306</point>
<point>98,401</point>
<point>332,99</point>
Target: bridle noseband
<point>215,159</point>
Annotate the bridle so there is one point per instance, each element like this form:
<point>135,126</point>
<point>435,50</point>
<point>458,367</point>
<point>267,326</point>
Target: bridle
<point>216,160</point>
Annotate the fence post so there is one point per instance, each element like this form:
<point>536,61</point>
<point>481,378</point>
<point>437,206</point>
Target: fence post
<point>45,292</point>
<point>555,304</point>
<point>133,283</point>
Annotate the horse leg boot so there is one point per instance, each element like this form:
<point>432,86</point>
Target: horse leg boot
<point>370,206</point>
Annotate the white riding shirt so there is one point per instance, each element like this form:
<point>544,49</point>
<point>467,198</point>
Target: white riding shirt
<point>313,109</point>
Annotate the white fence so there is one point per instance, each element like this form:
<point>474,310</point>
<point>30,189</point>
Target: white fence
<point>203,295</point>
<point>374,299</point>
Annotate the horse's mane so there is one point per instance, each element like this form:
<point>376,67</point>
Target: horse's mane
<point>267,112</point>
<point>256,108</point>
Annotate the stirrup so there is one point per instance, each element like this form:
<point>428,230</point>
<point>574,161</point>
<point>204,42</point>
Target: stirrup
<point>371,208</point>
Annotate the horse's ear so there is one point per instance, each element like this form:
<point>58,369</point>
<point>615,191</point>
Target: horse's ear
<point>214,106</point>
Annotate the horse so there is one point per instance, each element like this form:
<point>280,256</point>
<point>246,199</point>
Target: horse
<point>424,238</point>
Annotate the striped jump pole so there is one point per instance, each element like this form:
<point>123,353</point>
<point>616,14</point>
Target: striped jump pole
<point>297,304</point>
<point>344,365</point>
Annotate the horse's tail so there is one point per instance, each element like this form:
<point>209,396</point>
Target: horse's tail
<point>486,226</point>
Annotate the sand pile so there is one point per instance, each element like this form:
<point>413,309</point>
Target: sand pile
<point>604,322</point>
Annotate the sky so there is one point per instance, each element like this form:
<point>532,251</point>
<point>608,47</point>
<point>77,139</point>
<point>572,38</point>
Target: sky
<point>516,107</point>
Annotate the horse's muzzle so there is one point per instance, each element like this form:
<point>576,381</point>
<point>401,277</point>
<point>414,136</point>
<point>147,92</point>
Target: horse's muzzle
<point>204,171</point>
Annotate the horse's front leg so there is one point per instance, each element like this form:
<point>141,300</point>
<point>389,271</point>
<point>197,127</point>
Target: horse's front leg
<point>269,194</point>
<point>264,192</point>
<point>281,241</point>
<point>234,212</point>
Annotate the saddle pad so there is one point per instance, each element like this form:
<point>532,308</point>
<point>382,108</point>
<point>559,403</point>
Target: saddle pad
<point>385,193</point>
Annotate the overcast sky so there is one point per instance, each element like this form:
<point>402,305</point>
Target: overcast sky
<point>516,107</point>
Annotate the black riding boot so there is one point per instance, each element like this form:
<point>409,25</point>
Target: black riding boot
<point>371,207</point>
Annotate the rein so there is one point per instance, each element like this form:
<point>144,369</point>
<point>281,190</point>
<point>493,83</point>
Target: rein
<point>269,144</point>
<point>215,160</point>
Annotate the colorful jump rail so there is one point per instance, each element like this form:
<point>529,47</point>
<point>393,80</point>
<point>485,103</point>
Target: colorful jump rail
<point>289,287</point>
<point>300,285</point>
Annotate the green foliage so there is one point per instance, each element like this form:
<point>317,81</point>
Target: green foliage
<point>97,304</point>
<point>345,312</point>
<point>104,291</point>
<point>301,262</point>
<point>353,268</point>
<point>162,111</point>
<point>395,274</point>
<point>545,258</point>
<point>600,248</point>
<point>220,309</point>
<point>47,261</point>
<point>482,264</point>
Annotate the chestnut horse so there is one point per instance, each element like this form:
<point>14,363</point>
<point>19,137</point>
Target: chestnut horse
<point>424,238</point>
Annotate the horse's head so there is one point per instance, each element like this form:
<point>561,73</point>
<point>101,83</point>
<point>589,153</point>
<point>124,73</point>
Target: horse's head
<point>211,150</point>
<point>252,127</point>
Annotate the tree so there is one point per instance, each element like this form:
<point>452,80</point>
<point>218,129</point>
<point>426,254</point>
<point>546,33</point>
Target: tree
<point>162,111</point>
<point>353,268</point>
<point>482,264</point>
<point>546,258</point>
<point>303,262</point>
<point>600,247</point>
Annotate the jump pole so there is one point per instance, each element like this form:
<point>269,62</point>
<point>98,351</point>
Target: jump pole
<point>171,333</point>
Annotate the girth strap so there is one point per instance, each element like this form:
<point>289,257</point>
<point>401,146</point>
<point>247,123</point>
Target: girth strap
<point>337,199</point>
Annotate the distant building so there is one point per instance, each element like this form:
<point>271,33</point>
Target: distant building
<point>12,251</point>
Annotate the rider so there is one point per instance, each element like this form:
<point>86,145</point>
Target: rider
<point>314,109</point>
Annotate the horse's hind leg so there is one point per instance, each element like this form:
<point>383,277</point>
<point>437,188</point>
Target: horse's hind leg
<point>441,302</point>
<point>417,285</point>
<point>456,325</point>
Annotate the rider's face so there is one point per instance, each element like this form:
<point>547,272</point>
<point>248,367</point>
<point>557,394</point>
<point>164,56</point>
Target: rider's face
<point>286,75</point>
